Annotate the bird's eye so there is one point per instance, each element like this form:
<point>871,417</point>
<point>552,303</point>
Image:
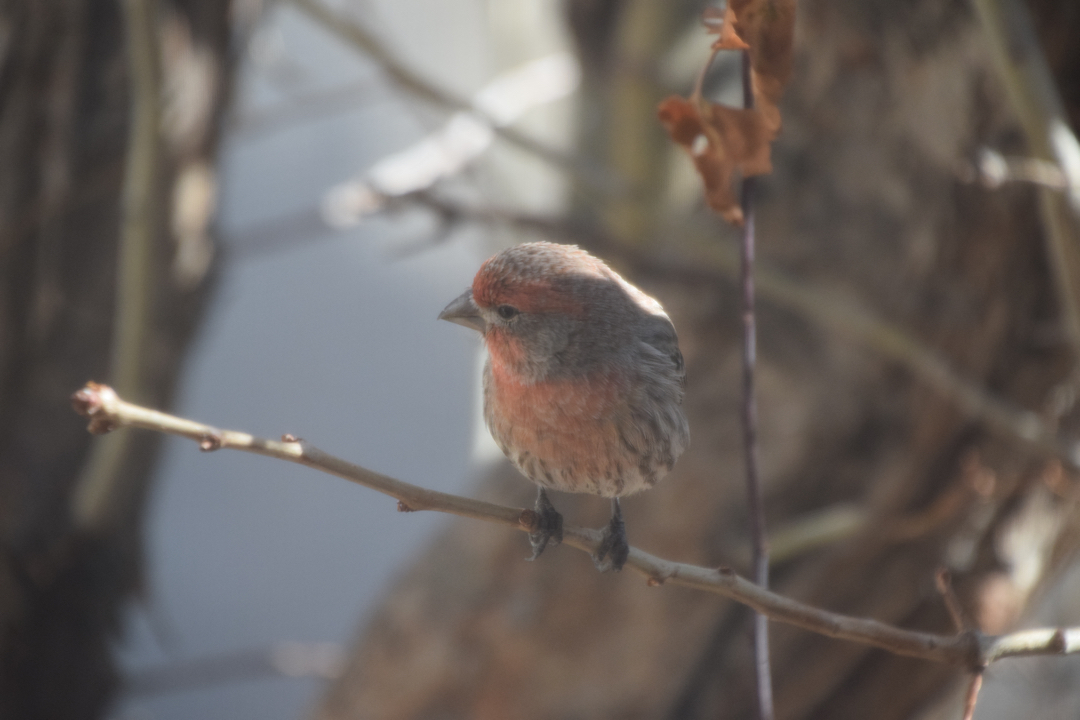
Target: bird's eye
<point>506,311</point>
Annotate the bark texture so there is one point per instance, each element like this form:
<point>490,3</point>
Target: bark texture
<point>868,206</point>
<point>64,127</point>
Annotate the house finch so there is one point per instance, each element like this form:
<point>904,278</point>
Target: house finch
<point>583,383</point>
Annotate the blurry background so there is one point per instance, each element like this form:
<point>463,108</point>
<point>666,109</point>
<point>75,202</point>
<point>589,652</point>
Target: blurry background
<point>317,195</point>
<point>327,333</point>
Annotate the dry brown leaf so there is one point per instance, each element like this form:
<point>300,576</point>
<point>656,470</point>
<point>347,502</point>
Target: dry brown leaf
<point>768,27</point>
<point>728,139</point>
<point>721,140</point>
<point>746,137</point>
<point>683,123</point>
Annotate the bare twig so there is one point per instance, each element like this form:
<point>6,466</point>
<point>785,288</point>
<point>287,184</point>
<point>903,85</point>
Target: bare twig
<point>972,695</point>
<point>1029,85</point>
<point>95,489</point>
<point>1025,643</point>
<point>107,412</point>
<point>352,32</point>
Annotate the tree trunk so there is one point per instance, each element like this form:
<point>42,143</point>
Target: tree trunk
<point>65,124</point>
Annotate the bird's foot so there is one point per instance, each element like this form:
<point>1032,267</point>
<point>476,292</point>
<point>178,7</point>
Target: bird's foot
<point>549,525</point>
<point>614,549</point>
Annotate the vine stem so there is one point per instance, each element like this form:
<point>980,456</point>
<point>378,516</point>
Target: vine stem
<point>755,504</point>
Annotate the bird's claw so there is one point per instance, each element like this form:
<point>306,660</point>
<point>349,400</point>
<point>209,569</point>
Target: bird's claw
<point>548,526</point>
<point>613,550</point>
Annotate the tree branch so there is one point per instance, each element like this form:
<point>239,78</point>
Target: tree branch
<point>971,650</point>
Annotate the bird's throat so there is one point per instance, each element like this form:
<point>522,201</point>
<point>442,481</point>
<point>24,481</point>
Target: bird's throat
<point>510,361</point>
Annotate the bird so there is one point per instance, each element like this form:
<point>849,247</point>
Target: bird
<point>583,382</point>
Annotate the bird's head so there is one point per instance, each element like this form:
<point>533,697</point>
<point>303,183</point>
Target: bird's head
<point>534,305</point>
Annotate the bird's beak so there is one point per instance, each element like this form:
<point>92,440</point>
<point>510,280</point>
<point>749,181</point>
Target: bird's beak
<point>463,311</point>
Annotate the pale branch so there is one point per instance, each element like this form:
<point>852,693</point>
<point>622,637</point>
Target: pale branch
<point>1024,643</point>
<point>597,179</point>
<point>971,650</point>
<point>95,490</point>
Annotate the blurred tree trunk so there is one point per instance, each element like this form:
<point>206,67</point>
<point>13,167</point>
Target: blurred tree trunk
<point>65,117</point>
<point>868,206</point>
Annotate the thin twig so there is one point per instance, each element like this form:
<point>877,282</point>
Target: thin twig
<point>95,489</point>
<point>596,179</point>
<point>972,695</point>
<point>755,502</point>
<point>107,412</point>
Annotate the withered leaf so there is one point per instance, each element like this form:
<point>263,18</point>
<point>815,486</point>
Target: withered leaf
<point>724,140</point>
<point>721,140</point>
<point>768,27</point>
